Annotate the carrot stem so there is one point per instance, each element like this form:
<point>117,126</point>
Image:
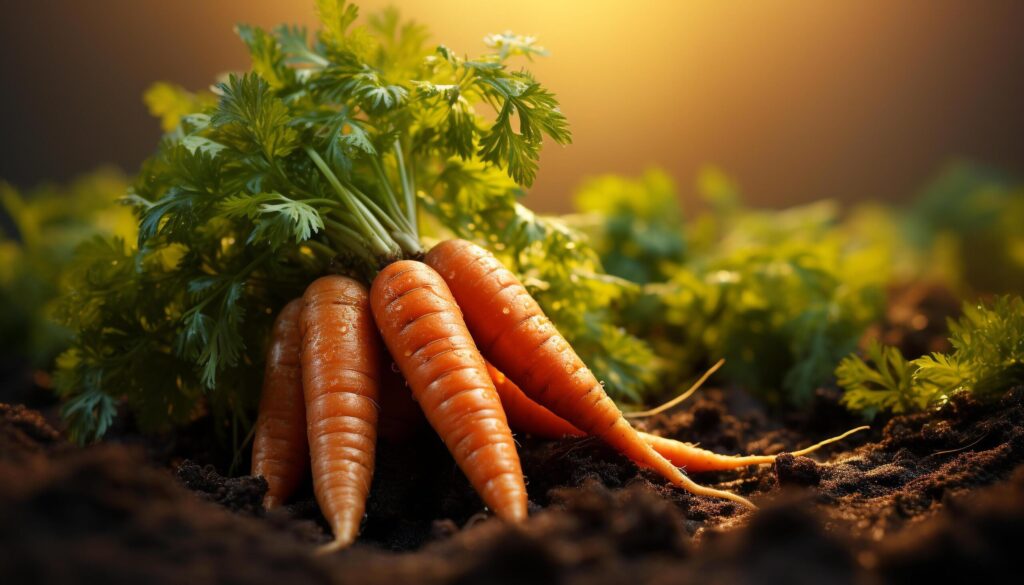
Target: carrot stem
<point>407,186</point>
<point>380,242</point>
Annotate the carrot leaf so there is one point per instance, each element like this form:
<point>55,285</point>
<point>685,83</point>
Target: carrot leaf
<point>987,359</point>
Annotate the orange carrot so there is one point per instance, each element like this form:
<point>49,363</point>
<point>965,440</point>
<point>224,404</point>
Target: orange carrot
<point>279,449</point>
<point>529,417</point>
<point>340,375</point>
<point>525,415</point>
<point>695,459</point>
<point>424,330</point>
<point>515,335</point>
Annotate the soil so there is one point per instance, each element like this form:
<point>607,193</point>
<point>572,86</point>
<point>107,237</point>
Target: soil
<point>937,496</point>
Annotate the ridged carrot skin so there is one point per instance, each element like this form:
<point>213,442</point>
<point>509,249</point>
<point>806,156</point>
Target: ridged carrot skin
<point>425,333</point>
<point>280,452</point>
<point>525,415</point>
<point>341,361</point>
<point>517,337</point>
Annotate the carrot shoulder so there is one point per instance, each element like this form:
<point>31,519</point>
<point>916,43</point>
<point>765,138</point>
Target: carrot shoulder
<point>279,449</point>
<point>340,373</point>
<point>424,330</point>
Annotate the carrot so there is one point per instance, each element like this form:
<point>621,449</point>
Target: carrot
<point>340,375</point>
<point>529,417</point>
<point>279,449</point>
<point>515,335</point>
<point>696,460</point>
<point>424,330</point>
<point>525,415</point>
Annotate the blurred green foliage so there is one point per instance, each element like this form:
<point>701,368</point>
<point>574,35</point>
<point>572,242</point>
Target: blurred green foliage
<point>637,224</point>
<point>48,223</point>
<point>781,295</point>
<point>784,295</point>
<point>974,216</point>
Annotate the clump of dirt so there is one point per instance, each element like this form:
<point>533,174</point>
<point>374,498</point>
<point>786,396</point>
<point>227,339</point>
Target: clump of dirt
<point>800,471</point>
<point>238,494</point>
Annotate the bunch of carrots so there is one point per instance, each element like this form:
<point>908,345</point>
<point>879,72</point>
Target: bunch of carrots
<point>318,158</point>
<point>455,324</point>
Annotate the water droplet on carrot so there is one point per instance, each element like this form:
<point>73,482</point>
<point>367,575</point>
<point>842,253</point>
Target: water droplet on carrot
<point>505,310</point>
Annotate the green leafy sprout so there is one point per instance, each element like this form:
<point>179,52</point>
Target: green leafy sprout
<point>987,359</point>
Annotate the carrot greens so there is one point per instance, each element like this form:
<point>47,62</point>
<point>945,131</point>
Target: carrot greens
<point>331,155</point>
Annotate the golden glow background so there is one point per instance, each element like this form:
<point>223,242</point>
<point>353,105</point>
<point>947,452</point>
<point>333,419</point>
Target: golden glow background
<point>796,99</point>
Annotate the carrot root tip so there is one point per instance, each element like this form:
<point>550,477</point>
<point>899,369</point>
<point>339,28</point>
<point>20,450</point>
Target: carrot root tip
<point>332,547</point>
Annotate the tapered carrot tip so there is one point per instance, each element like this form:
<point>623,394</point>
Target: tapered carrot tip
<point>345,529</point>
<point>334,546</point>
<point>513,509</point>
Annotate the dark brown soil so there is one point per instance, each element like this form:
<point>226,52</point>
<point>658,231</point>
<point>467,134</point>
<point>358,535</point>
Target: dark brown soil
<point>926,496</point>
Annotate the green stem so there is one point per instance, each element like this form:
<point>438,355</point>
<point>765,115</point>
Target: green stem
<point>380,242</point>
<point>342,229</point>
<point>403,234</point>
<point>377,225</point>
<point>375,210</point>
<point>407,187</point>
<point>321,247</point>
<point>322,201</point>
<point>348,238</point>
<point>390,199</point>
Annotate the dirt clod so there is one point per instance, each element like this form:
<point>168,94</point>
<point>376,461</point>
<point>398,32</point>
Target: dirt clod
<point>238,494</point>
<point>799,471</point>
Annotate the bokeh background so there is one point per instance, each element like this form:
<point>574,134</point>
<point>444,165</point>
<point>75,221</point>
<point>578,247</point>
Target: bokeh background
<point>798,100</point>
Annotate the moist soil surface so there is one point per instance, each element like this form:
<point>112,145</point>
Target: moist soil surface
<point>918,498</point>
<point>923,496</point>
